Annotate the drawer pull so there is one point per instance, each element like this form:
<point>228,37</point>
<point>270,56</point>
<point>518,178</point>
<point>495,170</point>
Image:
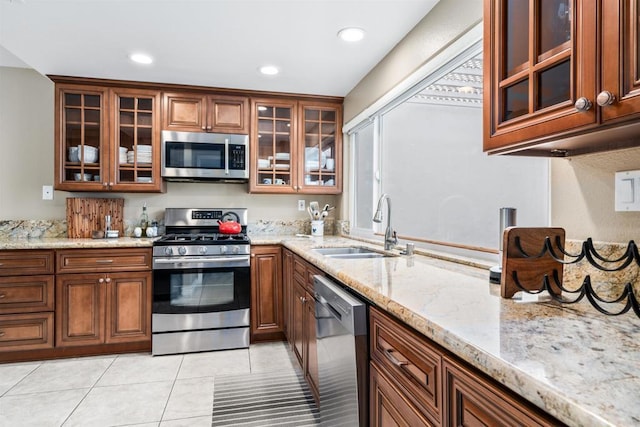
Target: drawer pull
<point>104,261</point>
<point>3,296</point>
<point>389,353</point>
<point>1,333</point>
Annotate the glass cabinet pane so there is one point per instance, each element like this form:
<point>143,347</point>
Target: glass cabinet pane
<point>516,100</point>
<point>135,141</point>
<point>82,135</point>
<point>319,147</point>
<point>554,24</point>
<point>554,85</point>
<point>516,37</point>
<point>274,145</point>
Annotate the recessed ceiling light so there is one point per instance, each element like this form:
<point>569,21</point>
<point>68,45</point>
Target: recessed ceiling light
<point>269,70</point>
<point>141,58</point>
<point>351,34</point>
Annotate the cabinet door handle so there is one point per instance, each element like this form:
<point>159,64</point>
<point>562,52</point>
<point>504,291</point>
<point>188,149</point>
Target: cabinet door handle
<point>101,280</point>
<point>105,184</point>
<point>583,104</point>
<point>303,299</point>
<point>111,184</point>
<point>605,98</point>
<point>104,261</point>
<point>108,280</point>
<point>208,127</point>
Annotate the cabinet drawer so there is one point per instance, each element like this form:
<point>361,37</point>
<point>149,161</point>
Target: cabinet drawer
<point>299,268</point>
<point>473,400</point>
<point>26,294</point>
<point>25,262</point>
<point>388,405</point>
<point>414,366</point>
<point>26,331</point>
<point>103,260</point>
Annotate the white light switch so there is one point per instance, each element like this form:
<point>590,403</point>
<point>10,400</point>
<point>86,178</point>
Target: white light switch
<point>627,190</point>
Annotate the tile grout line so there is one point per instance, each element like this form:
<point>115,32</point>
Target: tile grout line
<point>22,379</point>
<point>90,389</point>
<point>173,384</point>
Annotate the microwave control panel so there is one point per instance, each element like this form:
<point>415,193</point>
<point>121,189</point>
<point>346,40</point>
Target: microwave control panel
<point>237,157</point>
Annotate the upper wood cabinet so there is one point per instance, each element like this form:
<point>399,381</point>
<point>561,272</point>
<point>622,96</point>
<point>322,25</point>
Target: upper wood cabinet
<point>546,90</point>
<point>107,139</point>
<point>206,113</point>
<point>296,147</point>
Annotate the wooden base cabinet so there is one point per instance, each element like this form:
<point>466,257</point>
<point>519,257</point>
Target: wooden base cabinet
<point>107,306</point>
<point>416,383</point>
<point>475,401</point>
<point>267,315</point>
<point>26,300</point>
<point>103,308</point>
<point>388,405</point>
<point>301,315</point>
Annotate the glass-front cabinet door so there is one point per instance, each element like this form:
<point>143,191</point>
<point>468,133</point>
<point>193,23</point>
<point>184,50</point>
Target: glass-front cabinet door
<point>81,141</point>
<point>135,155</point>
<point>540,56</point>
<point>320,156</point>
<point>620,92</point>
<point>273,149</point>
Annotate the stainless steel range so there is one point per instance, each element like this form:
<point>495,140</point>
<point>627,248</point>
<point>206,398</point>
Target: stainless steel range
<point>201,282</point>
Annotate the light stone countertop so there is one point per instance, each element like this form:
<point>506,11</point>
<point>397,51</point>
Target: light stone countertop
<point>65,243</point>
<point>576,364</point>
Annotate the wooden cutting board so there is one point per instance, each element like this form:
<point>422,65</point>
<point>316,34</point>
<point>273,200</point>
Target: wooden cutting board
<point>84,215</point>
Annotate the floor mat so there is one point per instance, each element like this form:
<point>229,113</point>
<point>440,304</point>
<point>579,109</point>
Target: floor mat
<point>264,399</point>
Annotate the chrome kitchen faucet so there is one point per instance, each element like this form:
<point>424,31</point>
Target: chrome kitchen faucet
<point>390,239</point>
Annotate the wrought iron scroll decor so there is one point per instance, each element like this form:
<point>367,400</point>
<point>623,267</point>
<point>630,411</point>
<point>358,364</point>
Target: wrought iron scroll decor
<point>588,252</point>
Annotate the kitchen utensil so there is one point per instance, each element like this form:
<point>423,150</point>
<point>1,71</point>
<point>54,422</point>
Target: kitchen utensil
<point>324,214</point>
<point>314,206</point>
<point>229,227</point>
<point>325,208</point>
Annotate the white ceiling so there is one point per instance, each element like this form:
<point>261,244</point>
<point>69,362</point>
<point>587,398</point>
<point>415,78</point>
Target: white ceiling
<point>218,43</point>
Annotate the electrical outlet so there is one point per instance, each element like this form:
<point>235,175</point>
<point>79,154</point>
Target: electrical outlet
<point>47,192</point>
<point>301,204</point>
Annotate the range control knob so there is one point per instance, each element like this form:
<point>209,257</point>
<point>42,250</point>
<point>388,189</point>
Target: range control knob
<point>235,250</point>
<point>202,250</point>
<point>168,250</point>
<point>223,249</point>
<point>182,250</point>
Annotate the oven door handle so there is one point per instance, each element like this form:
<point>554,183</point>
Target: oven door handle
<point>213,262</point>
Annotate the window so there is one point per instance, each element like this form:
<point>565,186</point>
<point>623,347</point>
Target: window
<point>425,151</point>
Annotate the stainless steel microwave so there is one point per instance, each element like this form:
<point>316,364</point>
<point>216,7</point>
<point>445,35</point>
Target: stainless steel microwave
<point>201,156</point>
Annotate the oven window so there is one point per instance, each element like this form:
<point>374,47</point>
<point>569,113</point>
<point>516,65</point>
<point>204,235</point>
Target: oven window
<point>200,290</point>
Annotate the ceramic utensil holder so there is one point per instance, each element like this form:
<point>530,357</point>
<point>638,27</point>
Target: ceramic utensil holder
<point>317,228</point>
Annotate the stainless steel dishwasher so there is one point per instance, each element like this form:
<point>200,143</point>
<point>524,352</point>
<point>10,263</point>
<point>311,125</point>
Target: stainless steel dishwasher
<point>341,334</point>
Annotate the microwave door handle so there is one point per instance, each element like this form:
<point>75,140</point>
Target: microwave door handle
<point>226,157</point>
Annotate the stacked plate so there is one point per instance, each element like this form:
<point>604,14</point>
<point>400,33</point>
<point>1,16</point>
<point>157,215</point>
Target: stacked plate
<point>123,154</point>
<point>141,153</point>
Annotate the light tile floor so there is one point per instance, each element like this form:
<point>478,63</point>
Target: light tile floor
<point>126,390</point>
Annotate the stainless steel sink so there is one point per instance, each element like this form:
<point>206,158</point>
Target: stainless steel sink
<point>351,252</point>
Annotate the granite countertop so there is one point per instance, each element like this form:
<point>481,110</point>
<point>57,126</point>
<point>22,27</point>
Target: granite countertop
<point>66,243</point>
<point>576,364</point>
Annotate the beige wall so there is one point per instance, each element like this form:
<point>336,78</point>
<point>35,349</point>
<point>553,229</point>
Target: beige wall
<point>438,29</point>
<point>26,163</point>
<point>582,196</point>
